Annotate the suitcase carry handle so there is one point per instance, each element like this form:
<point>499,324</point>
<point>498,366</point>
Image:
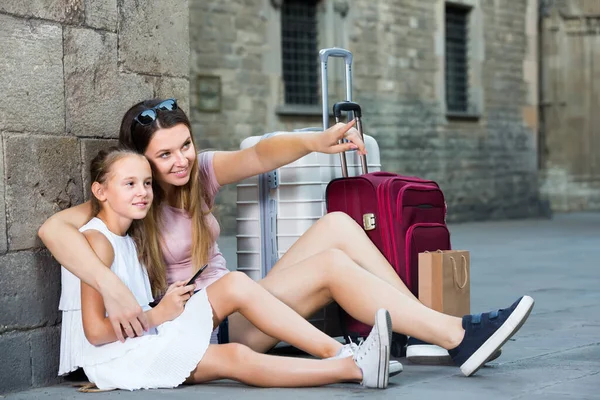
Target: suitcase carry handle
<point>338,108</point>
<point>337,112</point>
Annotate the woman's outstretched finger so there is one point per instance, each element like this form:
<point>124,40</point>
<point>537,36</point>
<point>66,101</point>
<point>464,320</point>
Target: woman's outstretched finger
<point>345,127</point>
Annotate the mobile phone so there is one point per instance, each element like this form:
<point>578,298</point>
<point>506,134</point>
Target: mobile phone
<point>196,275</point>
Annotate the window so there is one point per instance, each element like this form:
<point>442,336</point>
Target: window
<point>457,58</point>
<point>299,51</point>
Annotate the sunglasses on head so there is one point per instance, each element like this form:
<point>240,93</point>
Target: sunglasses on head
<point>148,116</point>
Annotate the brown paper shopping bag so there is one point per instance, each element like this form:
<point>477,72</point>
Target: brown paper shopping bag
<point>444,281</point>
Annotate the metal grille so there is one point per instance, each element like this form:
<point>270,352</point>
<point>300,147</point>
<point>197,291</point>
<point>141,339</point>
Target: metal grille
<point>457,62</point>
<point>299,51</point>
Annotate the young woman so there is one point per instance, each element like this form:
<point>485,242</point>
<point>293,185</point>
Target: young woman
<point>176,347</point>
<point>333,261</point>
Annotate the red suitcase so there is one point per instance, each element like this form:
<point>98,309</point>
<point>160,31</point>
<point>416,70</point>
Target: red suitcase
<point>402,215</point>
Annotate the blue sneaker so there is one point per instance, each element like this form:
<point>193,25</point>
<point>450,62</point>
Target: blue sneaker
<point>424,353</point>
<point>485,333</point>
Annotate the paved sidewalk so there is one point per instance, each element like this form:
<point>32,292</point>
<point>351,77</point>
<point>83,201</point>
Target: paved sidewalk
<point>556,355</point>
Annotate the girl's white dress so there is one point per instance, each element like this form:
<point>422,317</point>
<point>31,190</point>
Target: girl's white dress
<point>161,358</point>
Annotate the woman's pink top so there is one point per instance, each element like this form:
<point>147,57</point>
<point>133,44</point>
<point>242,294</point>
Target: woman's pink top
<point>177,234</point>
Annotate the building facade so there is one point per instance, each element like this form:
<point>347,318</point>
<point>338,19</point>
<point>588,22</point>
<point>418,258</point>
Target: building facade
<point>448,88</point>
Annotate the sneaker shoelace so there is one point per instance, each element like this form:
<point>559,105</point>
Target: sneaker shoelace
<point>353,346</point>
<point>350,346</point>
<point>364,346</point>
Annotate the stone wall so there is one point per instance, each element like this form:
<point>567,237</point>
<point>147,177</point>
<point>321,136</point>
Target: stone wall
<point>69,70</point>
<point>487,165</point>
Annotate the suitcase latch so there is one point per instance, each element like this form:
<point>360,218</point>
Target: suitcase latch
<point>369,221</point>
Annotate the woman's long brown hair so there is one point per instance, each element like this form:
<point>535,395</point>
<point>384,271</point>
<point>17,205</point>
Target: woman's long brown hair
<point>189,197</point>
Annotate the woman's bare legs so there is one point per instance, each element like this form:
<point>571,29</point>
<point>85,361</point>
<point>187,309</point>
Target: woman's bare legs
<point>333,275</point>
<point>235,292</point>
<point>334,231</point>
<point>240,363</point>
<point>337,230</point>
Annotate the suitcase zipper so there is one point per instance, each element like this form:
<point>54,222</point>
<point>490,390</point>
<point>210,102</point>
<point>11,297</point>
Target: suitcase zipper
<point>386,220</point>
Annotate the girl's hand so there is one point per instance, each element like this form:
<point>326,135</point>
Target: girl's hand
<point>173,303</point>
<point>327,141</point>
<point>125,314</point>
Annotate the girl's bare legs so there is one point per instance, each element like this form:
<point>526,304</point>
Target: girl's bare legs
<point>235,292</point>
<point>333,275</point>
<point>238,362</point>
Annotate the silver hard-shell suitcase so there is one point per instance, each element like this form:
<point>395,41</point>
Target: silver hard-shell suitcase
<point>276,208</point>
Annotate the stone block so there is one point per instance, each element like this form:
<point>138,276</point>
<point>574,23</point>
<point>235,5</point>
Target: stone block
<point>220,7</point>
<point>69,11</point>
<point>29,290</point>
<point>101,14</point>
<point>178,88</point>
<point>45,355</point>
<point>31,77</point>
<point>15,372</point>
<point>3,241</point>
<point>97,95</point>
<point>154,37</point>
<point>89,149</point>
<point>43,176</point>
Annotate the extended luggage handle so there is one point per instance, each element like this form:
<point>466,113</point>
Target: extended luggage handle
<point>349,106</point>
<point>324,55</point>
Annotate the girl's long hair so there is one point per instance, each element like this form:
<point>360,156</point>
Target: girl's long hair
<point>190,197</point>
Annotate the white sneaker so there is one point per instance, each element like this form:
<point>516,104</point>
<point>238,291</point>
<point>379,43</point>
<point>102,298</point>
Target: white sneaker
<point>373,355</point>
<point>348,350</point>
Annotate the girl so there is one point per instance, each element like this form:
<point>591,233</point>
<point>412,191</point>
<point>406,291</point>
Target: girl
<point>333,261</point>
<point>176,347</point>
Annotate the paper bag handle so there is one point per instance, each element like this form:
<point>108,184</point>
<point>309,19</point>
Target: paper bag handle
<point>456,272</point>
